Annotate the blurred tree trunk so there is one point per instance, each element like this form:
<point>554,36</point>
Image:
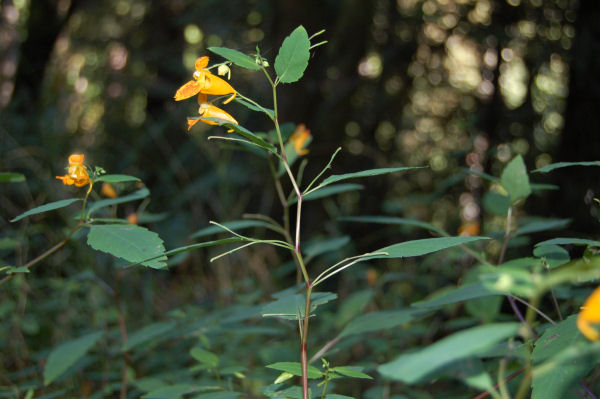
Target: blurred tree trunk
<point>580,139</point>
<point>46,20</point>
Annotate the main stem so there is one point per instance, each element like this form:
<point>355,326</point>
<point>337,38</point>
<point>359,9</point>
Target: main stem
<point>297,251</point>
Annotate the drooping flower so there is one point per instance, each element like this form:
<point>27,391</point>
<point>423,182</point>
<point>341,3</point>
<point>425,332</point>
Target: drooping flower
<point>590,316</point>
<point>77,173</point>
<point>207,110</point>
<point>205,82</point>
<point>299,138</point>
<point>108,190</point>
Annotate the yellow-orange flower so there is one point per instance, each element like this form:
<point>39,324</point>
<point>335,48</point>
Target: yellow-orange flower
<point>590,315</point>
<point>108,190</point>
<point>205,83</point>
<point>299,138</point>
<point>207,110</point>
<point>132,218</point>
<point>469,229</point>
<point>77,173</point>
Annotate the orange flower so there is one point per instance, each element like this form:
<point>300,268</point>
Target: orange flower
<point>589,315</point>
<point>207,110</point>
<point>469,229</point>
<point>205,83</point>
<point>108,190</point>
<point>299,138</point>
<point>132,218</point>
<point>77,173</point>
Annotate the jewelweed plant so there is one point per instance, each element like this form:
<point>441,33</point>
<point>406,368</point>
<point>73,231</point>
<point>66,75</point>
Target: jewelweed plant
<point>539,345</point>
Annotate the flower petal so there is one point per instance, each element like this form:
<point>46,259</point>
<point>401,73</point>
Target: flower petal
<point>188,90</point>
<point>201,63</point>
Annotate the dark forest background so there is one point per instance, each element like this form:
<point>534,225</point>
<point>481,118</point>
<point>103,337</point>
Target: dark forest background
<point>448,84</point>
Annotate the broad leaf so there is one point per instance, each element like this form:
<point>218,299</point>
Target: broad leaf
<point>205,357</point>
<point>238,58</point>
<point>415,366</point>
<point>130,242</point>
<point>47,207</point>
<point>116,178</point>
<point>515,179</point>
<point>561,378</point>
<point>218,395</point>
<point>296,369</point>
<point>292,59</point>
<point>557,165</point>
<point>66,354</point>
<point>147,333</point>
<point>553,255</point>
<point>382,320</point>
<point>11,177</point>
<point>423,247</point>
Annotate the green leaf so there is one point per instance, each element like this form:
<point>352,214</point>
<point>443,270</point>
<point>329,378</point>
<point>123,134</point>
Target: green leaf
<point>66,354</point>
<point>561,378</point>
<point>424,246</point>
<point>364,173</point>
<point>553,255</point>
<point>558,165</point>
<point>233,225</point>
<point>542,225</point>
<point>569,241</point>
<point>238,58</point>
<point>47,207</point>
<point>382,320</point>
<point>12,269</point>
<point>147,333</point>
<point>483,175</point>
<point>11,177</point>
<point>329,191</point>
<point>336,396</point>
<point>496,203</point>
<point>454,295</point>
<point>296,369</point>
<point>205,357</point>
<point>415,366</point>
<point>292,59</point>
<point>136,195</point>
<point>171,391</point>
<point>253,107</point>
<point>515,180</point>
<point>242,131</point>
<point>352,372</point>
<point>289,307</point>
<point>130,242</point>
<point>393,220</point>
<point>116,178</point>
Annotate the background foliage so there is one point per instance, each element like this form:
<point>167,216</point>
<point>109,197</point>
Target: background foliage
<point>451,84</point>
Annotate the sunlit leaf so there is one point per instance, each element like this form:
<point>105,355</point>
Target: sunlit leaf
<point>238,58</point>
<point>515,180</point>
<point>47,207</point>
<point>415,366</point>
<point>130,242</point>
<point>329,191</point>
<point>66,354</point>
<point>292,59</point>
<point>352,372</point>
<point>423,247</point>
<point>364,173</point>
